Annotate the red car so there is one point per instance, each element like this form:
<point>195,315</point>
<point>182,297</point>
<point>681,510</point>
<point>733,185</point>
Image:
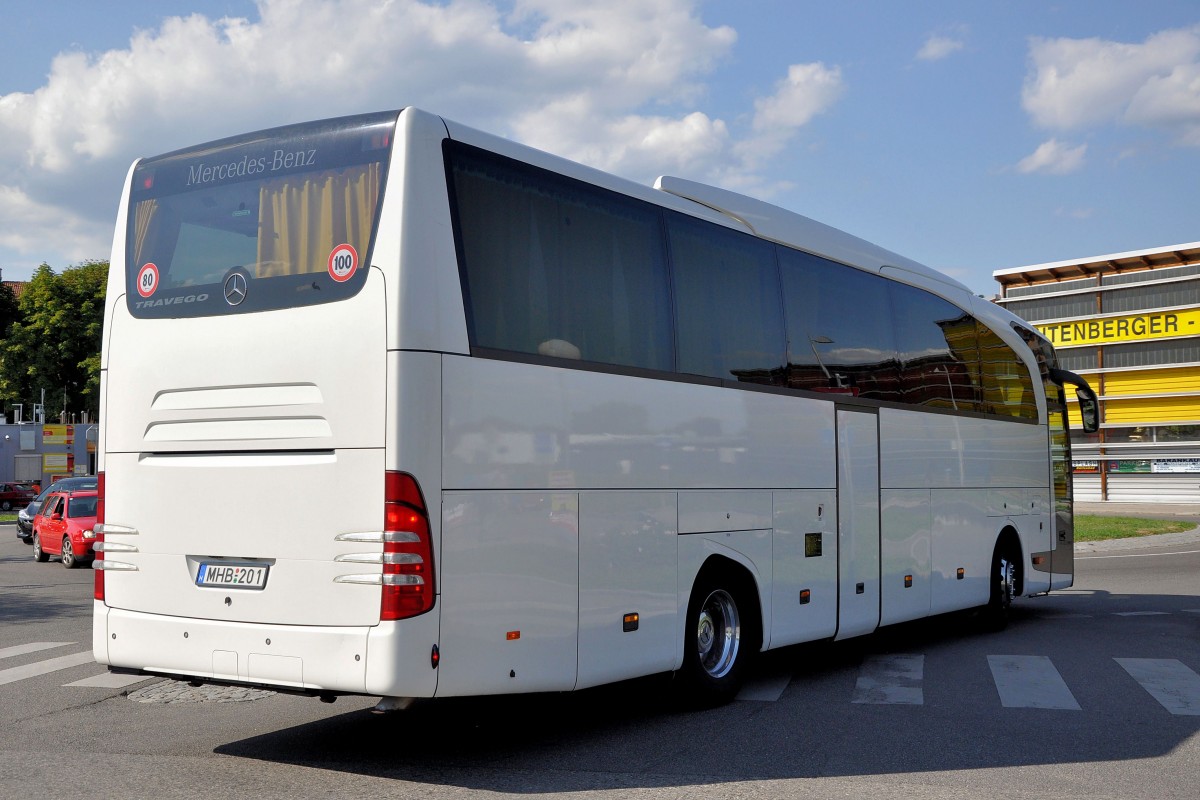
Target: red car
<point>13,495</point>
<point>63,527</point>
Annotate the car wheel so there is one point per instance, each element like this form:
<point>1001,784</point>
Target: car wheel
<point>39,555</point>
<point>68,554</point>
<point>5,505</point>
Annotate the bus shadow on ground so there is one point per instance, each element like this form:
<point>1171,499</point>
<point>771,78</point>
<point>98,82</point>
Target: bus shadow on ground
<point>639,734</point>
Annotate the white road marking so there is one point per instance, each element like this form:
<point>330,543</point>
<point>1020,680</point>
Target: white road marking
<point>765,688</point>
<point>1169,681</point>
<point>1030,682</point>
<point>1139,555</point>
<point>44,667</point>
<point>1140,613</point>
<point>891,680</point>
<point>32,647</point>
<point>110,680</point>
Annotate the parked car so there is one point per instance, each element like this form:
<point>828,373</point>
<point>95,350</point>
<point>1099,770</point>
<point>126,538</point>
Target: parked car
<point>25,516</point>
<point>13,495</point>
<point>64,527</point>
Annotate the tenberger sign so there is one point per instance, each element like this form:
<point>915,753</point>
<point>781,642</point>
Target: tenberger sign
<point>1130,328</point>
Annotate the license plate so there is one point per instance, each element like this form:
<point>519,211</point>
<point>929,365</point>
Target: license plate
<point>232,576</point>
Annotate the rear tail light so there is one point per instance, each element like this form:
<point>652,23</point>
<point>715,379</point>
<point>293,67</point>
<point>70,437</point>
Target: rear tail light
<point>98,579</point>
<point>408,588</point>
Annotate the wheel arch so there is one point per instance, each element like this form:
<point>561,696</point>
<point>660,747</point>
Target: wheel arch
<point>1008,538</point>
<point>742,575</point>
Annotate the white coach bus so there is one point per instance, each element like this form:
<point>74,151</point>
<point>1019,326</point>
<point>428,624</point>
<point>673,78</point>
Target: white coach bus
<point>394,407</point>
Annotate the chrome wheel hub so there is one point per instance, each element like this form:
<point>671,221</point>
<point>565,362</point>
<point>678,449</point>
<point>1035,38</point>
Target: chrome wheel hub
<point>718,634</point>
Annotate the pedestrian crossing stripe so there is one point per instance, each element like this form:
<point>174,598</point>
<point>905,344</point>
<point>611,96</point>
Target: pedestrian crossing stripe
<point>44,667</point>
<point>32,647</point>
<point>1030,682</point>
<point>890,679</point>
<point>105,680</point>
<point>109,680</point>
<point>1021,682</point>
<point>1169,681</point>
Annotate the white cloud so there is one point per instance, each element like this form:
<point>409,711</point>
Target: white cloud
<point>1077,83</point>
<point>939,46</point>
<point>30,227</point>
<point>808,90</point>
<point>619,85</point>
<point>1053,158</point>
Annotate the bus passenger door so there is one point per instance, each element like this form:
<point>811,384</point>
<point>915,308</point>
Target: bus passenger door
<point>858,521</point>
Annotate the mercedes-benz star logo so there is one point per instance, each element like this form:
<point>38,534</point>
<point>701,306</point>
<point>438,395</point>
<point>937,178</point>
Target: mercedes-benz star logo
<point>235,288</point>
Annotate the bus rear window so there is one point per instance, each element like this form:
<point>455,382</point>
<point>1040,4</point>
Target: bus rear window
<point>271,220</point>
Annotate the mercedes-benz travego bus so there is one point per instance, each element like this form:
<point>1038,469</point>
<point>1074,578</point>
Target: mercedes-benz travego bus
<point>394,407</point>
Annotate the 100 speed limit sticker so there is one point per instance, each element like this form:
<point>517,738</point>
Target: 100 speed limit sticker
<point>343,262</point>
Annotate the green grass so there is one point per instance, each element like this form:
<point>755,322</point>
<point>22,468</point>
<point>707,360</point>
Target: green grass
<point>8,516</point>
<point>1096,529</point>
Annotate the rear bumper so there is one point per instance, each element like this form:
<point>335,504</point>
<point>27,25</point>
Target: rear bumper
<point>319,659</point>
<point>303,658</point>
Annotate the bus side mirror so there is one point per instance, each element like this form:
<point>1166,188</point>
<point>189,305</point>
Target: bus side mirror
<point>1089,404</point>
<point>1089,408</point>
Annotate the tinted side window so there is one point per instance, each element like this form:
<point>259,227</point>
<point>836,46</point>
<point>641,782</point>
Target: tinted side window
<point>727,303</point>
<point>1007,385</point>
<point>558,268</point>
<point>82,507</point>
<point>936,344</point>
<point>839,328</point>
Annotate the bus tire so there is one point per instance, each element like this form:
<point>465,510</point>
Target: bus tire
<point>720,637</point>
<point>1003,581</point>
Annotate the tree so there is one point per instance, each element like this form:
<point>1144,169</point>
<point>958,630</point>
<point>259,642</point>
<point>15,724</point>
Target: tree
<point>8,309</point>
<point>55,343</point>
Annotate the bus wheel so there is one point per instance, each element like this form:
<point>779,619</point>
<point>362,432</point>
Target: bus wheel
<point>1003,587</point>
<point>39,555</point>
<point>716,641</point>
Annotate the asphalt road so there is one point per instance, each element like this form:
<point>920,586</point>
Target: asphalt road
<point>1092,692</point>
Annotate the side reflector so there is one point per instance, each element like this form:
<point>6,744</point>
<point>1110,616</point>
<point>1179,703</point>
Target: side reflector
<point>908,581</point>
<point>512,636</point>
<point>962,573</point>
<point>805,596</point>
<point>629,622</point>
<point>98,574</point>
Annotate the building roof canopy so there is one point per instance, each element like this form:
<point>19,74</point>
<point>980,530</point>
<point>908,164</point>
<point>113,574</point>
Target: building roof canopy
<point>1056,271</point>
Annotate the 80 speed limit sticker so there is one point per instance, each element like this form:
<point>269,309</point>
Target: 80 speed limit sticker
<point>147,280</point>
<point>343,262</point>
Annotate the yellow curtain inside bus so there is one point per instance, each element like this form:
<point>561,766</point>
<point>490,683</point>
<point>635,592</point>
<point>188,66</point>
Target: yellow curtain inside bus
<point>301,218</point>
<point>142,218</point>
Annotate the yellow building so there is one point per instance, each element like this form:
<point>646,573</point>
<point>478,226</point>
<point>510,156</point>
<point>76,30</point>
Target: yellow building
<point>1129,323</point>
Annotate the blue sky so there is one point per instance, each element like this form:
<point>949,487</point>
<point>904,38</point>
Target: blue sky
<point>971,136</point>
